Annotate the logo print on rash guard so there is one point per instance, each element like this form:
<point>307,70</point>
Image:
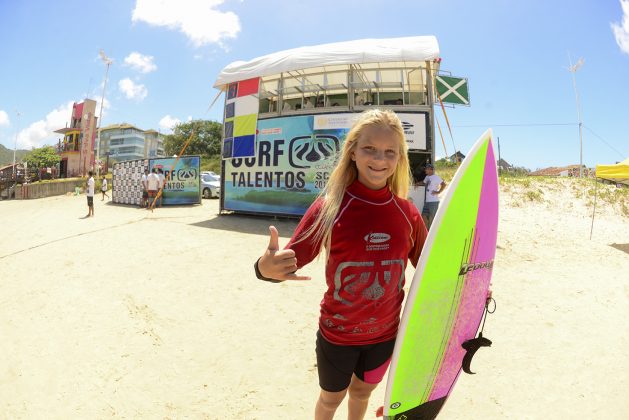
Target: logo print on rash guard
<point>377,241</point>
<point>354,278</point>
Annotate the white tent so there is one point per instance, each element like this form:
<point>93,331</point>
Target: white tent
<point>390,50</point>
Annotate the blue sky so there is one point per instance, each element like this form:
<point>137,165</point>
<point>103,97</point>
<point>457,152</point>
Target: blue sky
<point>168,53</point>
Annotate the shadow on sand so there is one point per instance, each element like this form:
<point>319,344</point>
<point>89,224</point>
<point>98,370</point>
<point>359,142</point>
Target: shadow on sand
<point>622,247</point>
<point>256,225</point>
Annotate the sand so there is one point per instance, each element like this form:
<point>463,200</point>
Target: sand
<point>133,314</point>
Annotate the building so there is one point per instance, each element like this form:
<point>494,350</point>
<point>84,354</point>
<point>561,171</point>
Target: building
<point>9,173</point>
<point>457,157</point>
<point>503,165</point>
<point>119,142</point>
<point>77,147</point>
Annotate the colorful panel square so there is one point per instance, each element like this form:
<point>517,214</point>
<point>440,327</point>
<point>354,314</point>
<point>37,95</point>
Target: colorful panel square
<point>228,148</point>
<point>229,129</point>
<point>245,125</point>
<point>246,105</point>
<point>230,110</point>
<point>232,91</point>
<point>248,87</point>
<point>244,146</point>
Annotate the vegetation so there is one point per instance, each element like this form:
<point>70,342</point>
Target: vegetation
<point>6,155</point>
<point>205,141</point>
<point>211,163</point>
<point>43,157</point>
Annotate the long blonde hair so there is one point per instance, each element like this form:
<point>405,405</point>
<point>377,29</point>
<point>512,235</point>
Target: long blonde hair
<point>345,173</point>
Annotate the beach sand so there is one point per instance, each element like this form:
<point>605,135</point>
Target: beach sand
<point>133,314</point>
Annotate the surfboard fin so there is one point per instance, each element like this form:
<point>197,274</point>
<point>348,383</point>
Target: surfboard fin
<point>471,346</point>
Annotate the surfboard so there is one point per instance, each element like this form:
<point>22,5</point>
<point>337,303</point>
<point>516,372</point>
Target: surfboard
<point>448,293</point>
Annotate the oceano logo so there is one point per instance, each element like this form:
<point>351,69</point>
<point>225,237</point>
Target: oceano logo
<point>408,127</point>
<point>377,238</point>
<point>476,266</point>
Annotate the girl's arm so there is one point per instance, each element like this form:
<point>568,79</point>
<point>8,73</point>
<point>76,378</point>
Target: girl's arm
<point>276,264</point>
<point>279,265</point>
<point>420,233</point>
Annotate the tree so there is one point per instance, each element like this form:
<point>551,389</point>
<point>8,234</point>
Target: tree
<point>42,157</point>
<point>206,140</point>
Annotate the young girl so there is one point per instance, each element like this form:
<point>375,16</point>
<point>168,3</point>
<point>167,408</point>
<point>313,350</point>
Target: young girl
<point>368,231</point>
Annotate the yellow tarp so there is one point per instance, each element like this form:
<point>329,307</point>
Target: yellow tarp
<point>618,172</point>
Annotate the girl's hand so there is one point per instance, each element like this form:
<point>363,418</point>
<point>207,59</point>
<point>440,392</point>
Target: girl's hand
<point>278,264</point>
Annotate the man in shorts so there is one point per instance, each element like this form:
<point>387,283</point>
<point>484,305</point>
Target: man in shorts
<point>90,195</point>
<point>152,185</point>
<point>145,192</point>
<point>160,175</point>
<point>434,186</point>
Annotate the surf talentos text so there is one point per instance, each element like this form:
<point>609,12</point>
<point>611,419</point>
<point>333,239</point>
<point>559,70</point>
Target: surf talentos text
<point>268,155</point>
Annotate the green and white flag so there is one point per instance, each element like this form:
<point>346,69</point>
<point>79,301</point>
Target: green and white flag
<point>453,90</point>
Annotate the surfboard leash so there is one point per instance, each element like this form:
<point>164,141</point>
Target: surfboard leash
<point>471,346</point>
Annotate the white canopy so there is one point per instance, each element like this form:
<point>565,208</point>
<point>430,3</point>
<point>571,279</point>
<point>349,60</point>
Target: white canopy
<point>408,49</point>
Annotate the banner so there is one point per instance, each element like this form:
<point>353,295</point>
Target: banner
<point>182,183</point>
<point>126,185</point>
<point>293,159</point>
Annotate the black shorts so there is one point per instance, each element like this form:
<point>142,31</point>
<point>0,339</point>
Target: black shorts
<point>336,363</point>
<point>90,201</point>
<point>145,194</point>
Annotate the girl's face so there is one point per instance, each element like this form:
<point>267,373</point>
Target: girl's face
<point>376,155</point>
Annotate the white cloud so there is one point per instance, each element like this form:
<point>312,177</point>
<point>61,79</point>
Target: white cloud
<point>42,132</point>
<point>140,62</point>
<point>199,20</point>
<point>132,90</point>
<point>621,32</point>
<point>4,118</point>
<point>167,123</point>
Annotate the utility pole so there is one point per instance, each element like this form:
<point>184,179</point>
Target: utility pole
<point>107,62</point>
<point>573,69</point>
<point>17,132</point>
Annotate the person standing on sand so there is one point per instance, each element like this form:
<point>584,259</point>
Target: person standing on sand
<point>152,185</point>
<point>90,195</point>
<point>145,191</point>
<point>160,175</point>
<point>368,232</point>
<point>103,188</point>
<point>434,186</point>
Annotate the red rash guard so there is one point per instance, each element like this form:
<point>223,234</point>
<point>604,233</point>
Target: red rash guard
<point>374,235</point>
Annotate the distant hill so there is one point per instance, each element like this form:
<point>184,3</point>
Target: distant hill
<point>6,155</point>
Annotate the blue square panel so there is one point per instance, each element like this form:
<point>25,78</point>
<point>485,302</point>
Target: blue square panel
<point>244,146</point>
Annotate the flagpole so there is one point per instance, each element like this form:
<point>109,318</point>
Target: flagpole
<point>573,69</point>
<point>107,62</point>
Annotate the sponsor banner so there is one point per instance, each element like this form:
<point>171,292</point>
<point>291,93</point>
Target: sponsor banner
<point>414,126</point>
<point>292,160</point>
<point>291,165</point>
<point>181,186</point>
<point>182,183</point>
<point>126,185</point>
<point>415,129</point>
<point>332,121</point>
